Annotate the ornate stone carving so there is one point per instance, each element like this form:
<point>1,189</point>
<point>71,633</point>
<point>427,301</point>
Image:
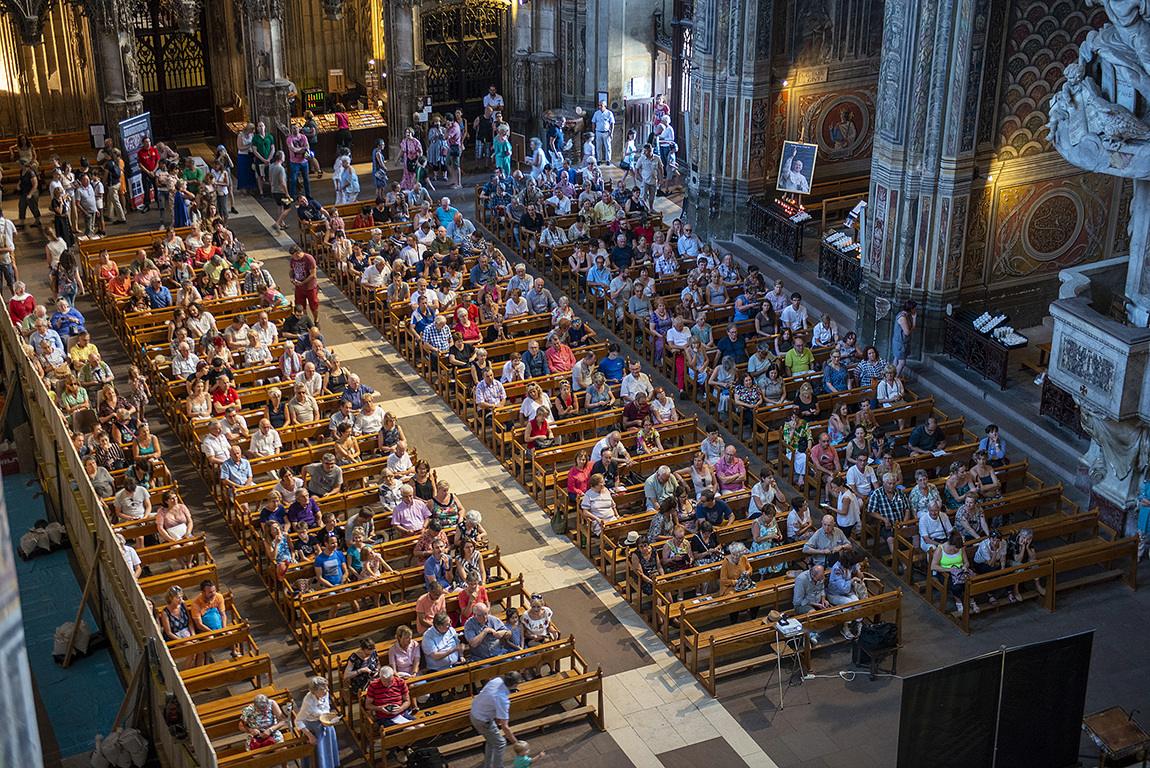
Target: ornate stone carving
<point>131,70</point>
<point>260,10</point>
<point>1086,365</point>
<point>1124,445</point>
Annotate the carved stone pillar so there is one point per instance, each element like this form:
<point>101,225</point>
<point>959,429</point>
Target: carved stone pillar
<point>115,43</point>
<point>922,174</point>
<point>407,84</point>
<point>519,99</point>
<point>265,61</point>
<point>718,159</point>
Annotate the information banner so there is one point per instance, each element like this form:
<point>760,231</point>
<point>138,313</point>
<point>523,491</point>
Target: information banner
<point>133,131</point>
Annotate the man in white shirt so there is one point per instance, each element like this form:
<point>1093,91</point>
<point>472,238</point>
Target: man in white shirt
<point>493,99</point>
<point>860,477</point>
<point>184,364</point>
<point>552,235</point>
<point>560,201</point>
<point>604,121</point>
<point>85,196</point>
<point>794,315</point>
<point>265,442</point>
<point>689,243</point>
<point>634,382</point>
<point>215,444</point>
<point>399,462</point>
<point>377,275</point>
<point>791,178</point>
<point>266,330</point>
<point>583,372</point>
<point>236,334</point>
<point>310,380</point>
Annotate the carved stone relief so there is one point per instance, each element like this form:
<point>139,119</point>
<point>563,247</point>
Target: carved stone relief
<point>1086,365</point>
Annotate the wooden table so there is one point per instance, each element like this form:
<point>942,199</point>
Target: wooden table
<point>1118,737</point>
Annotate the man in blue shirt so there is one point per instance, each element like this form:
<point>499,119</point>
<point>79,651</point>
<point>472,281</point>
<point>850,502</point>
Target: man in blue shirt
<point>331,568</point>
<point>236,472</point>
<point>440,566</point>
<point>732,344</point>
<point>158,294</point>
<point>445,212</point>
<point>67,320</point>
<point>717,511</point>
<point>490,713</point>
<point>354,391</point>
<point>483,273</point>
<point>484,633</point>
<point>621,254</point>
<point>534,361</point>
<point>599,277</point>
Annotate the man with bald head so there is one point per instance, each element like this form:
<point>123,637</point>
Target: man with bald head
<point>484,633</point>
<point>824,547</point>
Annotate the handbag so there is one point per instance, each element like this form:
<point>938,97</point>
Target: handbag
<point>960,575</point>
<point>559,522</point>
<point>409,164</point>
<point>743,583</point>
<point>881,634</point>
<point>257,743</point>
<point>544,442</point>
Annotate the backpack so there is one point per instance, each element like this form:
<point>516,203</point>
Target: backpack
<point>425,757</point>
<point>881,634</point>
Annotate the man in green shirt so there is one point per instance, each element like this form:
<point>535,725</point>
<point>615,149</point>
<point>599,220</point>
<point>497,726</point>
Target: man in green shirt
<point>799,359</point>
<point>262,146</point>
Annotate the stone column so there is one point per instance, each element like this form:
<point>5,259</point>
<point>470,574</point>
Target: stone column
<point>519,96</point>
<point>265,61</point>
<point>407,73</point>
<point>544,65</point>
<point>922,174</point>
<point>720,148</point>
<point>120,79</point>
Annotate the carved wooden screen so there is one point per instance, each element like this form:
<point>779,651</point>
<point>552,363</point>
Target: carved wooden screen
<point>463,51</point>
<point>175,77</point>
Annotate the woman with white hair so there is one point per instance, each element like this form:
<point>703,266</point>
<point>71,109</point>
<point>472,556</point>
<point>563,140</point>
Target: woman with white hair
<point>310,722</point>
<point>346,181</point>
<point>538,159</point>
<point>263,721</point>
<point>471,529</point>
<point>735,569</point>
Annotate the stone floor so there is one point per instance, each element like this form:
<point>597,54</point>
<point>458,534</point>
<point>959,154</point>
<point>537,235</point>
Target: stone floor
<point>656,714</point>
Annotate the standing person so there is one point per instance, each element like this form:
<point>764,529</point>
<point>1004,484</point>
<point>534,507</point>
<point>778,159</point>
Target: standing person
<point>310,129</point>
<point>262,146</point>
<point>85,196</point>
<point>409,151</point>
<point>298,148</point>
<point>379,171</point>
<point>342,129</point>
<point>630,155</point>
<point>502,149</point>
<point>903,326</point>
<point>665,135</point>
<point>28,188</point>
<point>223,184</point>
<point>604,122</point>
<point>454,152</point>
<point>113,180</point>
<point>278,188</point>
<point>315,704</point>
<point>303,277</point>
<point>245,171</point>
<point>148,158</point>
<point>538,159</point>
<point>649,171</point>
<point>490,713</point>
<point>484,128</point>
<point>555,142</point>
<point>437,147</point>
<point>493,99</point>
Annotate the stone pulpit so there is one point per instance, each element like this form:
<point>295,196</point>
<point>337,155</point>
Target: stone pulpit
<point>1100,121</point>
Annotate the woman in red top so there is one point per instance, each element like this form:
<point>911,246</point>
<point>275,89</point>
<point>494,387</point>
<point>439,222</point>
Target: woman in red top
<point>205,253</point>
<point>538,432</point>
<point>465,326</point>
<point>579,477</point>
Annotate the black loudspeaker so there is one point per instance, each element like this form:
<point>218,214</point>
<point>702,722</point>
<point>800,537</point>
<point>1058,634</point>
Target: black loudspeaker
<point>1019,708</point>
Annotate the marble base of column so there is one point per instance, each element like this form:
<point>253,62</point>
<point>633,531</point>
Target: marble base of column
<point>116,110</point>
<point>544,89</point>
<point>520,117</point>
<point>406,90</point>
<point>271,104</point>
<point>718,213</point>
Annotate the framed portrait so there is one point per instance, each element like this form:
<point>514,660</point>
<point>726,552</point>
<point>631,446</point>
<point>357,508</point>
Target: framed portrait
<point>797,167</point>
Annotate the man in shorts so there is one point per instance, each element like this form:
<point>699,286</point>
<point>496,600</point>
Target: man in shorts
<point>277,181</point>
<point>484,129</point>
<point>303,277</point>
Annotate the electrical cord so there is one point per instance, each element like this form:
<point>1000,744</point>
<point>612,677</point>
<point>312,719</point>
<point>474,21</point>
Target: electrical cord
<point>849,675</point>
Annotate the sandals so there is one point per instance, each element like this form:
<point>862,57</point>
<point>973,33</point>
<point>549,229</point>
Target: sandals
<point>1014,599</point>
<point>992,600</point>
<point>974,607</point>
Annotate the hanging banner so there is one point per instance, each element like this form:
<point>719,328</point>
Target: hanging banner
<point>133,131</point>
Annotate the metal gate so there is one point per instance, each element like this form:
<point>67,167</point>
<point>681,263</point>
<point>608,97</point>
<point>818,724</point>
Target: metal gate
<point>175,78</point>
<point>463,51</point>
